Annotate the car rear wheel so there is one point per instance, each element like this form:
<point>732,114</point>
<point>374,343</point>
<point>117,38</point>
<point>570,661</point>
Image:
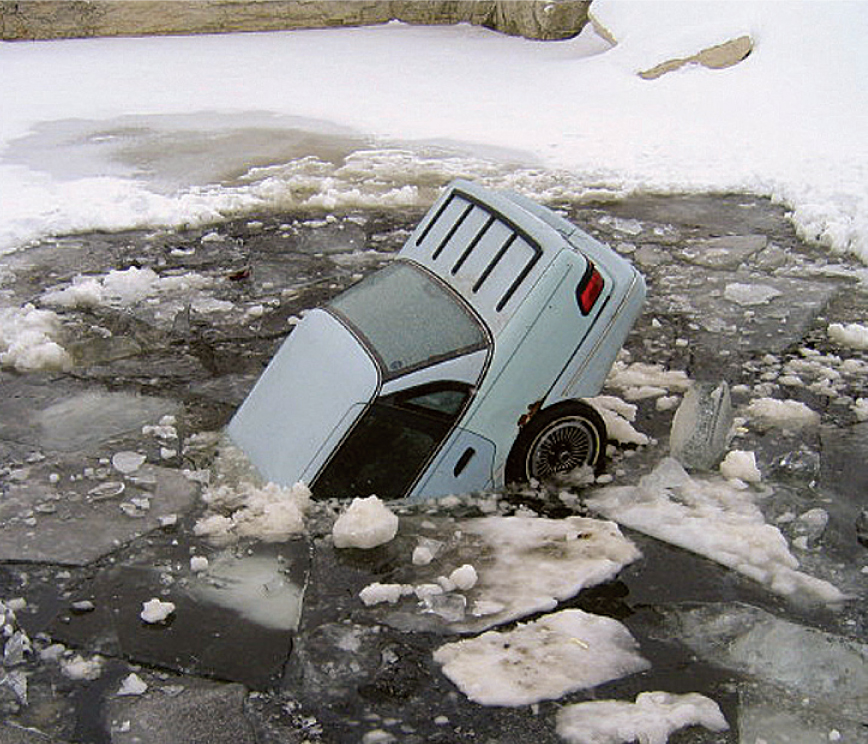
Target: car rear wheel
<point>557,440</point>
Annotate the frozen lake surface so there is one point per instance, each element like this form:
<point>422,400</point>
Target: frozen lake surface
<point>109,467</point>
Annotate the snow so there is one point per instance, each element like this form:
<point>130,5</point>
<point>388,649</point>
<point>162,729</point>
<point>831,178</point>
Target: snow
<point>156,611</point>
<point>650,720</point>
<point>366,523</point>
<point>787,122</point>
<point>541,660</point>
<point>618,415</point>
<point>712,518</point>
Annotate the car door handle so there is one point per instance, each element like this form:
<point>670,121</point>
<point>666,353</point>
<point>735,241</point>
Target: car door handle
<point>463,461</point>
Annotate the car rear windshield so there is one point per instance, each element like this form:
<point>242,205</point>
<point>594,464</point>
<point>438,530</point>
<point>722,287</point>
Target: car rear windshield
<point>408,319</point>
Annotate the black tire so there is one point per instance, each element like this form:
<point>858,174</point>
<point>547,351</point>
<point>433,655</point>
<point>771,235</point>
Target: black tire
<point>566,436</point>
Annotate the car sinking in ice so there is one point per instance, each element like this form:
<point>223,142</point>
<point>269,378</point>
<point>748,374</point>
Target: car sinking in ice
<point>461,366</point>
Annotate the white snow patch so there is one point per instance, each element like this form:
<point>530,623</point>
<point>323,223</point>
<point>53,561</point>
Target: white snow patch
<point>28,340</point>
<point>650,720</point>
<point>255,586</point>
<point>782,414</point>
<point>156,611</point>
<point>366,523</point>
<point>852,335</point>
<point>541,660</point>
<point>714,519</point>
<point>595,120</point>
<point>536,563</point>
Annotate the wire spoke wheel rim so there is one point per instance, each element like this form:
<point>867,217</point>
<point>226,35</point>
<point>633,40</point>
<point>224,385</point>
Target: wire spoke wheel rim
<point>567,445</point>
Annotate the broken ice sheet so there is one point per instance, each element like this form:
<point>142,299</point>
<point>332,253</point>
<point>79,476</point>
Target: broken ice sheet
<point>825,672</point>
<point>541,660</point>
<point>524,565</point>
<point>713,519</point>
<point>82,530</point>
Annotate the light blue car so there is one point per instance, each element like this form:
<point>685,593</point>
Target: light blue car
<point>459,367</point>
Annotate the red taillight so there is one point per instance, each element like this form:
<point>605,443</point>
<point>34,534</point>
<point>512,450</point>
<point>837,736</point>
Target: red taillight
<point>590,288</point>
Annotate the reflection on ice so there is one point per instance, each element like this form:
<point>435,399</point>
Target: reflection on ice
<point>257,587</point>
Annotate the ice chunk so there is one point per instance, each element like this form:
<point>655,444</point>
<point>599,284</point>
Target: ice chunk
<point>464,577</point>
<point>701,426</point>
<point>28,340</point>
<point>853,335</point>
<point>830,670</point>
<point>270,513</point>
<point>650,720</point>
<point>377,593</point>
<point>367,523</point>
<point>156,611</point>
<point>132,685</point>
<point>782,414</point>
<point>541,660</point>
<point>198,563</point>
<point>748,295</point>
<point>78,667</point>
<point>711,518</point>
<point>618,415</point>
<point>535,563</point>
<point>739,465</point>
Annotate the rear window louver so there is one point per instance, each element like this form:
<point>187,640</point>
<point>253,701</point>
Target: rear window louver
<point>466,235</point>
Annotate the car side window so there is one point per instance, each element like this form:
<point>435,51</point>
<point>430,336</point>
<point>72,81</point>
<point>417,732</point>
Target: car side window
<point>393,441</point>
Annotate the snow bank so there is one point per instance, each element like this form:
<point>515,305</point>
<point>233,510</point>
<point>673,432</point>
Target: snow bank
<point>650,720</point>
<point>713,519</point>
<point>366,523</point>
<point>786,122</point>
<point>28,340</point>
<point>541,660</point>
